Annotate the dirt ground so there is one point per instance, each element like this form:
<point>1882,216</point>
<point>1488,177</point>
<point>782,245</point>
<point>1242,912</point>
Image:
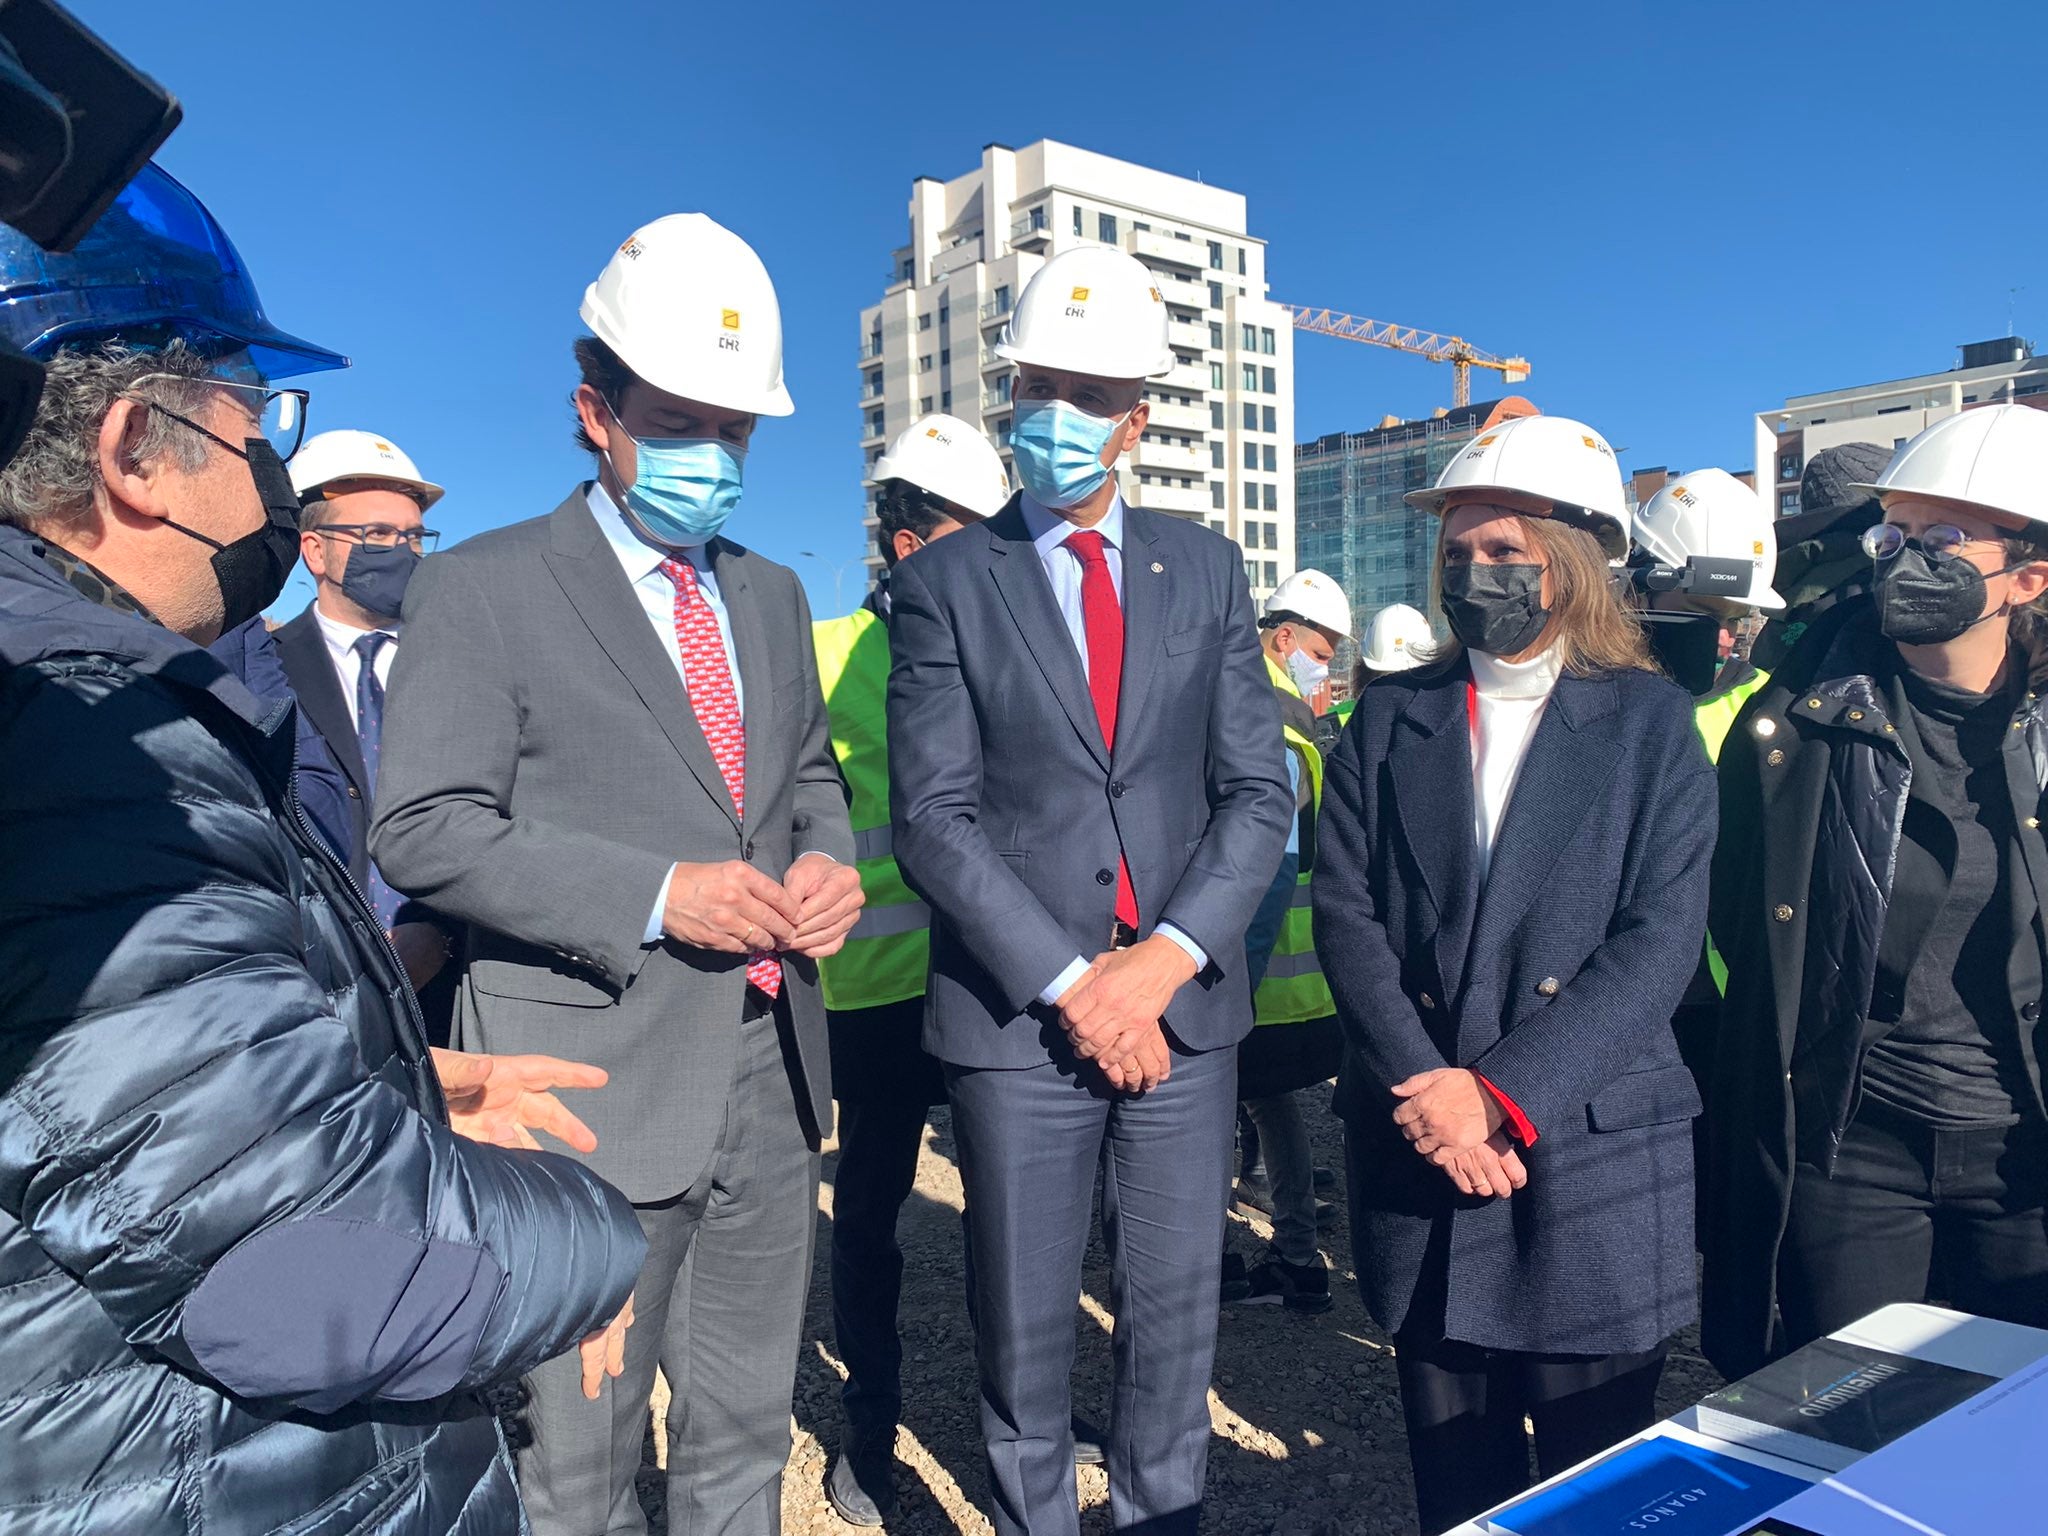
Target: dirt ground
<point>1307,1420</point>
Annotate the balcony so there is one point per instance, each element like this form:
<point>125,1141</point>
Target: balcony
<point>1181,501</point>
<point>1031,231</point>
<point>1156,250</point>
<point>1189,335</point>
<point>1170,458</point>
<point>989,360</point>
<point>870,349</point>
<point>994,309</point>
<point>995,400</point>
<point>953,258</point>
<point>1184,294</point>
<point>1189,419</point>
<point>1186,378</point>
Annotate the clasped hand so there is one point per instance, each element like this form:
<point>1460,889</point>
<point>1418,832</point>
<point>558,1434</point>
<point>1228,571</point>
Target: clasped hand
<point>1112,1014</point>
<point>1452,1121</point>
<point>735,909</point>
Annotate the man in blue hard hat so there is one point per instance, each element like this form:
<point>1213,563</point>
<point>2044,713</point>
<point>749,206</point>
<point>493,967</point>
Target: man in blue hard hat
<point>254,1273</point>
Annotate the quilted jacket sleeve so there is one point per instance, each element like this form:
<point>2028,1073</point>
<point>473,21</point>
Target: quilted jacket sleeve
<point>190,1130</point>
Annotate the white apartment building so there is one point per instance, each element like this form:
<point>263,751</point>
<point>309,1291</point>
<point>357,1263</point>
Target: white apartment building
<point>1218,447</point>
<point>1887,414</point>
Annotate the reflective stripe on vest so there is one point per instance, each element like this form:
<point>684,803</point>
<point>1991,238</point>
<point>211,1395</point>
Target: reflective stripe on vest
<point>889,950</point>
<point>1714,719</point>
<point>1293,990</point>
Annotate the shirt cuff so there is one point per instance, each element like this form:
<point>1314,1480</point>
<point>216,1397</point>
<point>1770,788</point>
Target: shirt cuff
<point>1076,969</point>
<point>1519,1124</point>
<point>653,933</point>
<point>1195,952</point>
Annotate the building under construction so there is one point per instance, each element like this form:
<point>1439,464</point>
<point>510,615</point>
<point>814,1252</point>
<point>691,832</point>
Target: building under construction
<point>1350,519</point>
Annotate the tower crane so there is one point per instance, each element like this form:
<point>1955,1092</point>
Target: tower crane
<point>1455,350</point>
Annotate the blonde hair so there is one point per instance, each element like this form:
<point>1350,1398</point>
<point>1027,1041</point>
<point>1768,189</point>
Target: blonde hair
<point>1589,628</point>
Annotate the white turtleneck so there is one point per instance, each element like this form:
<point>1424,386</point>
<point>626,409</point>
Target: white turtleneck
<point>1511,696</point>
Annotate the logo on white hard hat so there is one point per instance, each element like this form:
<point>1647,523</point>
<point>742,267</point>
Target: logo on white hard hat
<point>632,248</point>
<point>1596,445</point>
<point>1686,498</point>
<point>937,436</point>
<point>729,324</point>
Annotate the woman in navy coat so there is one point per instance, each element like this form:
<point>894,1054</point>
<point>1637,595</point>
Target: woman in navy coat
<point>1510,901</point>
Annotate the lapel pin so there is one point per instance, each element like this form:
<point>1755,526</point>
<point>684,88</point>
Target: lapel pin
<point>1157,568</point>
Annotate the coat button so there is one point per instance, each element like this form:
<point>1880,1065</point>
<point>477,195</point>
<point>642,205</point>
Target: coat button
<point>1428,1002</point>
<point>1813,703</point>
<point>2030,1011</point>
<point>1781,913</point>
<point>747,850</point>
<point>354,793</point>
<point>1117,789</point>
<point>1765,726</point>
<point>1855,714</point>
<point>1105,877</point>
<point>1547,987</point>
<point>2033,823</point>
<point>1775,757</point>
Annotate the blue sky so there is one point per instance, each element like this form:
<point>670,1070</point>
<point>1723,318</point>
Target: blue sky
<point>1679,213</point>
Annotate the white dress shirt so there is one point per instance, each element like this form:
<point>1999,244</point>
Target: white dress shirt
<point>1049,534</point>
<point>642,564</point>
<point>341,645</point>
<point>1511,696</point>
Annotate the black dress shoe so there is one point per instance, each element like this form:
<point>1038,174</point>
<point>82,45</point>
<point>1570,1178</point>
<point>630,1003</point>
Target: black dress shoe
<point>1326,1180</point>
<point>1087,1443</point>
<point>862,1493</point>
<point>1236,1281</point>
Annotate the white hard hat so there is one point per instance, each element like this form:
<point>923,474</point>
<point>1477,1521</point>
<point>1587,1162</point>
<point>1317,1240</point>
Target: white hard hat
<point>1564,462</point>
<point>1397,638</point>
<point>1711,514</point>
<point>950,458</point>
<point>688,307</point>
<point>1090,310</point>
<point>346,454</point>
<point>1993,456</point>
<point>1314,597</point>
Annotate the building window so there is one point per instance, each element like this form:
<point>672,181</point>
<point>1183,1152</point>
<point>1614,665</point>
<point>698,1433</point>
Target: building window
<point>1269,381</point>
<point>1272,458</point>
<point>1216,335</point>
<point>1217,496</point>
<point>924,405</point>
<point>1272,534</point>
<point>1216,382</point>
<point>1002,298</point>
<point>1077,218</point>
<point>945,313</point>
<point>924,364</point>
<point>1215,295</point>
<point>945,357</point>
<point>1216,454</point>
<point>873,382</point>
<point>1240,261</point>
<point>1215,255</point>
<point>1272,419</point>
<point>1105,228</point>
<point>1216,525</point>
<point>1272,498</point>
<point>1268,343</point>
<point>1002,431</point>
<point>875,423</point>
<point>1251,455</point>
<point>945,399</point>
<point>1251,572</point>
<point>1788,503</point>
<point>1251,376</point>
<point>1251,337</point>
<point>1216,406</point>
<point>1251,494</point>
<point>1003,387</point>
<point>1251,418</point>
<point>1272,573</point>
<point>924,322</point>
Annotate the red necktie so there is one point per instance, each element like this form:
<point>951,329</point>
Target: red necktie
<point>707,674</point>
<point>1102,619</point>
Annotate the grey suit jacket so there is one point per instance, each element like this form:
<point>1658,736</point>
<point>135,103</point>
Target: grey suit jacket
<point>1009,809</point>
<point>542,768</point>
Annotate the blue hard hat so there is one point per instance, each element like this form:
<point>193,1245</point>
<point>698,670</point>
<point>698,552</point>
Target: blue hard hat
<point>155,267</point>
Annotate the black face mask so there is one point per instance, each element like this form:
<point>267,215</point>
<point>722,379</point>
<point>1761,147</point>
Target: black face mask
<point>375,579</point>
<point>1497,609</point>
<point>1687,647</point>
<point>252,570</point>
<point>1922,602</point>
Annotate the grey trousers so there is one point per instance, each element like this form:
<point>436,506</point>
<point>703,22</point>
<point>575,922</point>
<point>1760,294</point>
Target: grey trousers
<point>1290,1173</point>
<point>1029,1144</point>
<point>719,1308</point>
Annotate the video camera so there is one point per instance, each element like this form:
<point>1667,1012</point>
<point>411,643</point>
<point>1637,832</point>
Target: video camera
<point>1700,576</point>
<point>77,121</point>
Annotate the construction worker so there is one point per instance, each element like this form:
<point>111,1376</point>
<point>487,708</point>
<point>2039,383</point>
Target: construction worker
<point>1878,1121</point>
<point>1704,562</point>
<point>1397,639</point>
<point>937,477</point>
<point>1304,621</point>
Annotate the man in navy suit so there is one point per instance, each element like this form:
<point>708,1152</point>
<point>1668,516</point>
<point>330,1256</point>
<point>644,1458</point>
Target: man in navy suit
<point>1090,795</point>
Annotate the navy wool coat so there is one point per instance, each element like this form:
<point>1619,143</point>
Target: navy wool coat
<point>1556,979</point>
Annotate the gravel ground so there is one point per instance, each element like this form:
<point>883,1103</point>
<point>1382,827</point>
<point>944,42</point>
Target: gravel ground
<point>1307,1420</point>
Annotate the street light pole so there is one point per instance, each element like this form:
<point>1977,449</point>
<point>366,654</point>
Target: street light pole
<point>838,570</point>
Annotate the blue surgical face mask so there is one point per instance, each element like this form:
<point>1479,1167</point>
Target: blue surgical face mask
<point>683,490</point>
<point>1059,450</point>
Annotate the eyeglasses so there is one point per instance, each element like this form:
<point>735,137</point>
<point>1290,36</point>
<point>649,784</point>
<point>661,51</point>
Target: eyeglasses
<point>1939,542</point>
<point>278,415</point>
<point>383,536</point>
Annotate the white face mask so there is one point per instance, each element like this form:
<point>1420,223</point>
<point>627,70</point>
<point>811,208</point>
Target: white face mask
<point>1308,673</point>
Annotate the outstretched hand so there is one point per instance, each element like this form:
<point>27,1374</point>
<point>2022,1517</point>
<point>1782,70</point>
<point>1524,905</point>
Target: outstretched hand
<point>503,1100</point>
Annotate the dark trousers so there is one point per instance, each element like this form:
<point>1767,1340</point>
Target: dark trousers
<point>1029,1146</point>
<point>878,1145</point>
<point>1465,1405</point>
<point>719,1308</point>
<point>1912,1212</point>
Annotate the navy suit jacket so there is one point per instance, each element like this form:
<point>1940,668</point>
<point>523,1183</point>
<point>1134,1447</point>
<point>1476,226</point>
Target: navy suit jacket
<point>1009,809</point>
<point>1556,979</point>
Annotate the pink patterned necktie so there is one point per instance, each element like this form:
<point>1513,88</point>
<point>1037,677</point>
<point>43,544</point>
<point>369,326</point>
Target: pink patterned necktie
<point>708,676</point>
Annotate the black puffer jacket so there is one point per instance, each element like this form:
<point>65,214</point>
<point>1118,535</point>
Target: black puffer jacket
<point>1814,784</point>
<point>249,1280</point>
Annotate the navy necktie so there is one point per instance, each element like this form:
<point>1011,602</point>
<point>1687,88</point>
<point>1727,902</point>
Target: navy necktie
<point>370,733</point>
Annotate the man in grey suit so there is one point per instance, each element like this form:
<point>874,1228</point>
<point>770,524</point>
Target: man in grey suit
<point>1088,790</point>
<point>606,751</point>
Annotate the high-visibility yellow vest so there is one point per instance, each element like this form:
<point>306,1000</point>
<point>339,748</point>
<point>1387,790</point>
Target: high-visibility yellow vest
<point>889,951</point>
<point>1714,719</point>
<point>1293,990</point>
